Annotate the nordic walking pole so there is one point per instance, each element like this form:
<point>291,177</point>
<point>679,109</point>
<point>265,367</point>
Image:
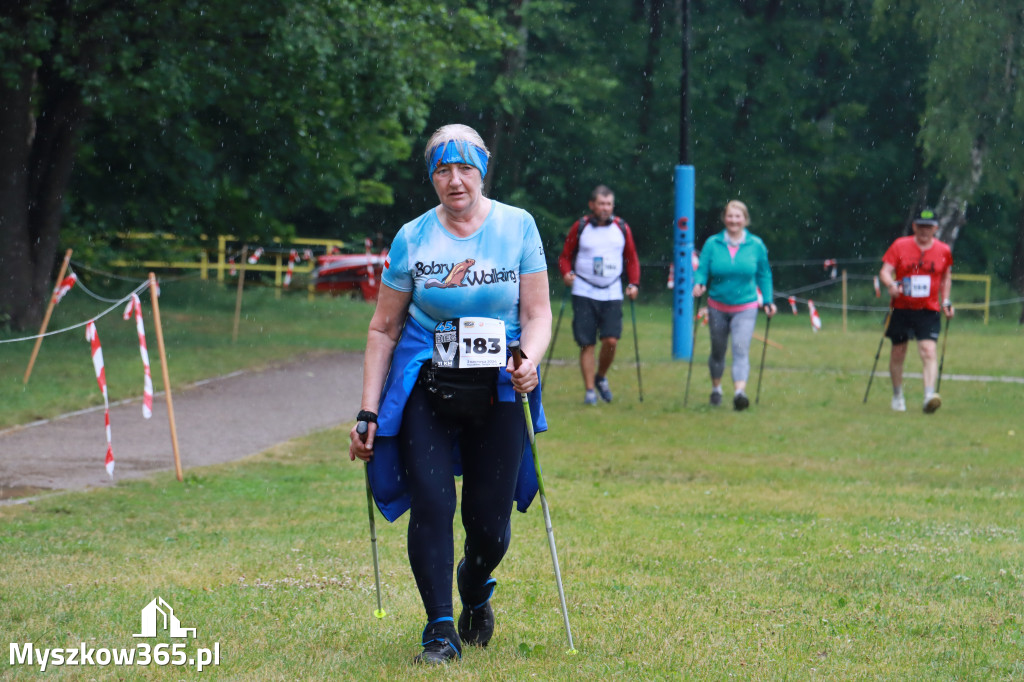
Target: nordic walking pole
<point>361,428</point>
<point>942,357</point>
<point>551,348</point>
<point>881,342</point>
<point>764,351</point>
<point>636,347</point>
<point>693,348</point>
<point>46,317</point>
<point>517,359</point>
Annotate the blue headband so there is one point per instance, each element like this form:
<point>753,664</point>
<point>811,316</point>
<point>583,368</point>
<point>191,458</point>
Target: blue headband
<point>458,151</point>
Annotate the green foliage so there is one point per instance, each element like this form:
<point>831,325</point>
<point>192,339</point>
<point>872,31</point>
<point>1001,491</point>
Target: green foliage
<point>252,114</point>
<point>976,52</point>
<point>829,118</point>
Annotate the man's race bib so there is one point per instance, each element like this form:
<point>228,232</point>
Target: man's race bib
<point>917,286</point>
<point>469,342</point>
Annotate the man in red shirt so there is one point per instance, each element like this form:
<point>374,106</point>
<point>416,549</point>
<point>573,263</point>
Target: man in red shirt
<point>599,254</point>
<point>917,271</point>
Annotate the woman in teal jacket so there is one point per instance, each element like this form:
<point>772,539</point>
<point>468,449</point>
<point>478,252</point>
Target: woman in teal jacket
<point>733,267</point>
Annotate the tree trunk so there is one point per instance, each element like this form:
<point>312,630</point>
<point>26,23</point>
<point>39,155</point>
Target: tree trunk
<point>36,159</point>
<point>1017,264</point>
<point>645,114</point>
<point>951,209</point>
<point>506,124</point>
<point>16,269</point>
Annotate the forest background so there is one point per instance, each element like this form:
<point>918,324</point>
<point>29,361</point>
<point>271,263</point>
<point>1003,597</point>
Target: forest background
<point>834,120</point>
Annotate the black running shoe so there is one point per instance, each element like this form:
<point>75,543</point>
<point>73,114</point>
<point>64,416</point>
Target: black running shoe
<point>740,402</point>
<point>716,398</point>
<point>440,643</point>
<point>476,622</point>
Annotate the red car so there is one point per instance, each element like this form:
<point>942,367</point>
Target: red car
<point>338,273</point>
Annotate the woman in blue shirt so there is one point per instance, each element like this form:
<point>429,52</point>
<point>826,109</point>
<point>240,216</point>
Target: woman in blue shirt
<point>439,390</point>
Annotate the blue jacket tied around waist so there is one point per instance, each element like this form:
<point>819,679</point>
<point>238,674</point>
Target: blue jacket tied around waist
<point>387,479</point>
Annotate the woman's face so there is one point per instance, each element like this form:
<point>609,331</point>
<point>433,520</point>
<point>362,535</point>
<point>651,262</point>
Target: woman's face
<point>734,220</point>
<point>457,186</point>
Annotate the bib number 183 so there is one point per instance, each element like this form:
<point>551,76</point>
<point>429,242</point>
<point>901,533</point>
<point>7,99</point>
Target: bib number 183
<point>469,342</point>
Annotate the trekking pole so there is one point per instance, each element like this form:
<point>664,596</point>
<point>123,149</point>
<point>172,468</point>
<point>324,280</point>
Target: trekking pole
<point>636,347</point>
<point>361,430</point>
<point>764,351</point>
<point>942,358</point>
<point>881,342</point>
<point>693,348</point>
<point>551,348</point>
<point>517,359</point>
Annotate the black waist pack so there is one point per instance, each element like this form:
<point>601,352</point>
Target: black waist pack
<point>465,393</point>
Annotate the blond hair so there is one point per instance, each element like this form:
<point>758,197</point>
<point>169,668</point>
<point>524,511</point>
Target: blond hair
<point>736,203</point>
<point>454,132</point>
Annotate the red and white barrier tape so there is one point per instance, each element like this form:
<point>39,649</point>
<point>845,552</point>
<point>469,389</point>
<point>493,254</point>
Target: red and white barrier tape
<point>135,306</point>
<point>291,268</point>
<point>64,287</point>
<point>815,320</point>
<point>101,378</point>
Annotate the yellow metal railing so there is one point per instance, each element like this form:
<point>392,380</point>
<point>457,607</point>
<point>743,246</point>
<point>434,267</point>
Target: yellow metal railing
<point>987,279</point>
<point>221,265</point>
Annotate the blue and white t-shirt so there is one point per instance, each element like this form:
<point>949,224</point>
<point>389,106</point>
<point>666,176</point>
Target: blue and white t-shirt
<point>474,276</point>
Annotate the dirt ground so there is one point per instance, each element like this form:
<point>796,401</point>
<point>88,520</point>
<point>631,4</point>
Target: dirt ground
<point>218,420</point>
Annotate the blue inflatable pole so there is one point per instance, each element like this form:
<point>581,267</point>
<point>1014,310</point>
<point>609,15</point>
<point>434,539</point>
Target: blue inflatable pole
<point>682,258</point>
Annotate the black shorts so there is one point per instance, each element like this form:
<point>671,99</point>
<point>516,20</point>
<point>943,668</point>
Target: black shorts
<point>923,325</point>
<point>592,320</point>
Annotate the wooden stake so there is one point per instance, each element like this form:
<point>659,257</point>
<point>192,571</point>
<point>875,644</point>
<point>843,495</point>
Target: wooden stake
<point>46,317</point>
<point>167,376</point>
<point>241,285</point>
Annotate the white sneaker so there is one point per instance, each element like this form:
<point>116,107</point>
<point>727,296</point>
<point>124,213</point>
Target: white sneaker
<point>899,404</point>
<point>933,403</point>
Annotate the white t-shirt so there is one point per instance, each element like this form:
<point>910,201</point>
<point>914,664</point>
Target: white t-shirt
<point>598,265</point>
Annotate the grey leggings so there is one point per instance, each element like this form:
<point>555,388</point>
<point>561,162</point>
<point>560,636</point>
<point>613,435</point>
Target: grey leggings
<point>741,326</point>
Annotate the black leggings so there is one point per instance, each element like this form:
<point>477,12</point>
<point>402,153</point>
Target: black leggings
<point>491,449</point>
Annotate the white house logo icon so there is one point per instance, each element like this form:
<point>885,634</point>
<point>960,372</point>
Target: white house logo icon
<point>158,611</point>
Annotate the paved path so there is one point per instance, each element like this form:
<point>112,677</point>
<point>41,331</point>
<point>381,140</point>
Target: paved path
<point>218,420</point>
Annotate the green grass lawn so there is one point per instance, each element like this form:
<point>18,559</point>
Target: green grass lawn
<point>810,537</point>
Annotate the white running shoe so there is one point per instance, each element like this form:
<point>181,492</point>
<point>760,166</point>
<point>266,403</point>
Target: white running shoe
<point>899,404</point>
<point>933,403</point>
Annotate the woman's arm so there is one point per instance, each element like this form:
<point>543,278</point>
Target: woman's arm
<point>381,339</point>
<point>535,321</point>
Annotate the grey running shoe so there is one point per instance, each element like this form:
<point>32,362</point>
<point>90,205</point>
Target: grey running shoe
<point>603,389</point>
<point>899,404</point>
<point>590,397</point>
<point>716,398</point>
<point>933,403</point>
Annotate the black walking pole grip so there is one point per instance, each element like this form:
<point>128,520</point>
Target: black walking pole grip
<point>517,353</point>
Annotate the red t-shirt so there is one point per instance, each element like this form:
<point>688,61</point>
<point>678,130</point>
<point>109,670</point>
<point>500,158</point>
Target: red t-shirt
<point>920,272</point>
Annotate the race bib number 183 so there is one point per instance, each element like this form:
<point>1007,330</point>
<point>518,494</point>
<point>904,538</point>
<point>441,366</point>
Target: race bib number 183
<point>469,342</point>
